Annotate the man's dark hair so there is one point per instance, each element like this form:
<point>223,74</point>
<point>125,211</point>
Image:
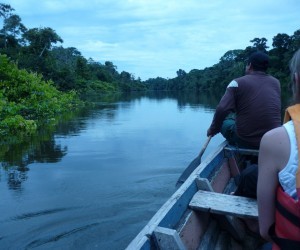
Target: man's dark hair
<point>259,61</point>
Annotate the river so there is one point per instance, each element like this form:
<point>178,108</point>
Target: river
<point>96,179</point>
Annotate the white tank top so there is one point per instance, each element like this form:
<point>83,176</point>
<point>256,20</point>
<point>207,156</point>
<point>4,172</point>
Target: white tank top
<point>287,176</point>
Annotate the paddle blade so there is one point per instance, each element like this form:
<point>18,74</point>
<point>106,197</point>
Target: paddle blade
<point>187,172</point>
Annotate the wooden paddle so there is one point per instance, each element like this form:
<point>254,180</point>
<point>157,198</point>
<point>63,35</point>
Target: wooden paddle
<point>195,163</point>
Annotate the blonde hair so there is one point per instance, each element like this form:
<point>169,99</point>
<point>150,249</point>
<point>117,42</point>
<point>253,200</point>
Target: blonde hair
<point>295,69</point>
<point>295,64</point>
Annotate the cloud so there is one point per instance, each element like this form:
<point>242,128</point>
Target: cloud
<point>158,37</point>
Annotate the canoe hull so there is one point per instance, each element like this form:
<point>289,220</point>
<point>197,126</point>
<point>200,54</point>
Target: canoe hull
<point>177,226</point>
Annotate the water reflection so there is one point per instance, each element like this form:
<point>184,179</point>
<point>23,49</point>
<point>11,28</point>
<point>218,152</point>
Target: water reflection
<point>15,178</point>
<point>192,98</point>
<point>21,155</point>
<point>124,151</point>
<point>44,147</point>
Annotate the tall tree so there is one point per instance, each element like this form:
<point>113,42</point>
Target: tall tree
<point>281,42</point>
<point>5,12</point>
<point>112,69</point>
<point>260,44</point>
<point>295,41</point>
<point>41,39</point>
<point>279,59</point>
<point>231,55</point>
<point>180,73</point>
<point>13,30</point>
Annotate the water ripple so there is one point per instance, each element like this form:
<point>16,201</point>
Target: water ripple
<point>43,241</point>
<point>40,213</point>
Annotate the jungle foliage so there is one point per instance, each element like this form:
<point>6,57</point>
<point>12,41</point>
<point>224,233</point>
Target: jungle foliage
<point>39,78</point>
<point>39,50</point>
<point>232,65</point>
<point>27,101</point>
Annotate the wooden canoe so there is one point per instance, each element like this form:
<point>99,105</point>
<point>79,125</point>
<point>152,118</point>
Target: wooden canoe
<point>202,214</point>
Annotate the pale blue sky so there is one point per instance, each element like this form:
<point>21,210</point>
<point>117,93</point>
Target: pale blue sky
<point>150,38</point>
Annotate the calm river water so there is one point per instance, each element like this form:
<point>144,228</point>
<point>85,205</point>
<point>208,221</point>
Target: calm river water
<point>95,181</point>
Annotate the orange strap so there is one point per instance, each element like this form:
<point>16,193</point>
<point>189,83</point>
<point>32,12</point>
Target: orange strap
<point>293,112</point>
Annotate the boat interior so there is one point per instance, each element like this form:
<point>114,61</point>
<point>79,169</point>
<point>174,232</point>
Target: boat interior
<point>203,213</point>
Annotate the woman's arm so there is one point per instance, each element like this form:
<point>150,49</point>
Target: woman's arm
<point>273,156</point>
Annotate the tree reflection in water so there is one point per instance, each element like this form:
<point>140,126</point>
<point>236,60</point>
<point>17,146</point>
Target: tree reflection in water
<point>16,158</point>
<point>45,148</point>
<point>15,178</point>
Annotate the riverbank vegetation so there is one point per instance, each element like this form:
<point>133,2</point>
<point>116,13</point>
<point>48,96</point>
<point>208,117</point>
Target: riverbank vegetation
<point>27,101</point>
<point>232,65</point>
<point>40,79</point>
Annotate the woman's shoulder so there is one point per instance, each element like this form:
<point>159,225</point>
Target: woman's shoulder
<point>276,144</point>
<point>279,131</point>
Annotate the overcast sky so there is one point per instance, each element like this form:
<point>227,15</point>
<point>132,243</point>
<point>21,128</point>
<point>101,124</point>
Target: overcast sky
<point>151,38</point>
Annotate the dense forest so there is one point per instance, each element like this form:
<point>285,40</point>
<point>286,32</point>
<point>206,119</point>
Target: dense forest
<point>232,65</point>
<point>40,50</point>
<point>39,78</point>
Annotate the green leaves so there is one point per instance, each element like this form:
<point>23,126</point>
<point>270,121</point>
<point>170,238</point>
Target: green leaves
<point>26,100</point>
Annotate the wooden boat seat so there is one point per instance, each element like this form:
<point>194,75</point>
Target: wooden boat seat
<point>229,222</point>
<point>225,204</point>
<point>244,151</point>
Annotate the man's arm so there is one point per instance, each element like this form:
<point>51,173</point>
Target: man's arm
<point>225,106</point>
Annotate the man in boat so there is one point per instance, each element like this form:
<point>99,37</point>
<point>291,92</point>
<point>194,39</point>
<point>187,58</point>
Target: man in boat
<point>278,190</point>
<point>250,107</point>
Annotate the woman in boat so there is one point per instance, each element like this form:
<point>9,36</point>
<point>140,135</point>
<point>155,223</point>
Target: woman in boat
<point>278,189</point>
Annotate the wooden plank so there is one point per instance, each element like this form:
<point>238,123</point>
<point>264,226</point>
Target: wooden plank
<point>142,243</point>
<point>234,169</point>
<point>192,227</point>
<point>243,151</point>
<point>225,204</point>
<point>221,177</point>
<point>168,239</point>
<point>231,224</point>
